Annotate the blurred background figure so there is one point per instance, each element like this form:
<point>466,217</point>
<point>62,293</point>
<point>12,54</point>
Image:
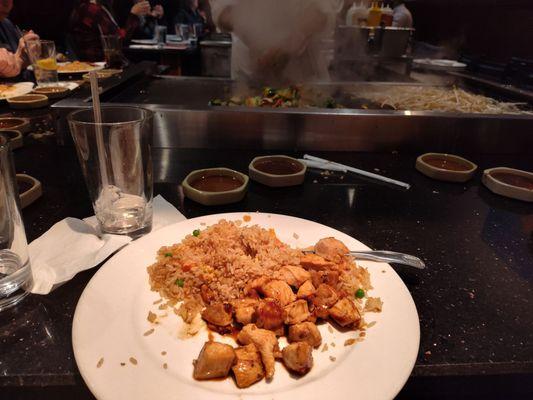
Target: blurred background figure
<point>122,9</point>
<point>401,17</point>
<point>90,19</point>
<point>277,40</point>
<point>192,12</point>
<point>13,57</point>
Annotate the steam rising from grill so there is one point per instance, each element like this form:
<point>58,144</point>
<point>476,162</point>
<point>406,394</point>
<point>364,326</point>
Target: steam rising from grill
<point>276,28</point>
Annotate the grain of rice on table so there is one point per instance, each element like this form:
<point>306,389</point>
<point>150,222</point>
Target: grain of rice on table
<point>225,257</point>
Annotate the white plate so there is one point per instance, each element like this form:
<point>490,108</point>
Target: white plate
<point>144,41</point>
<point>19,89</point>
<point>439,64</point>
<point>110,320</point>
<point>96,66</point>
<point>70,85</point>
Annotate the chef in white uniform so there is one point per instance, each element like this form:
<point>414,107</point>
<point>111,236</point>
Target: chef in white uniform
<point>277,39</point>
<point>401,16</point>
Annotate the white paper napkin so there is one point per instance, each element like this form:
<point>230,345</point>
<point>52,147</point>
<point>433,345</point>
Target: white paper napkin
<point>73,245</point>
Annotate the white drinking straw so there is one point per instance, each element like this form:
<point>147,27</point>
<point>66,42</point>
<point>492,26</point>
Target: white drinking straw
<point>95,93</point>
<point>326,166</point>
<point>360,172</point>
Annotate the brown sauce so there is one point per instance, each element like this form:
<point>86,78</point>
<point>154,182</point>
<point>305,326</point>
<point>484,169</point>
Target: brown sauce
<point>216,183</point>
<point>278,166</point>
<point>28,97</point>
<point>447,163</point>
<point>9,123</point>
<point>513,179</point>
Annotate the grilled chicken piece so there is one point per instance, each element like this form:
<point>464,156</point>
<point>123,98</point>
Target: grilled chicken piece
<point>252,289</point>
<point>345,313</point>
<point>207,294</point>
<point>324,297</point>
<point>293,275</point>
<point>248,368</point>
<point>188,310</point>
<point>269,315</point>
<point>244,310</point>
<point>331,249</point>
<point>329,277</point>
<point>315,262</point>
<point>278,290</point>
<point>296,312</point>
<point>307,289</point>
<point>305,332</point>
<point>298,357</point>
<point>214,361</point>
<point>266,343</point>
<point>218,314</point>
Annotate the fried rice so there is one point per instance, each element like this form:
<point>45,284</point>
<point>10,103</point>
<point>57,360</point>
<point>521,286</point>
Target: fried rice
<point>224,257</point>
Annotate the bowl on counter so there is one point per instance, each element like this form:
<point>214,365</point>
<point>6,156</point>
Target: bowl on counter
<point>12,123</point>
<point>277,171</point>
<point>52,92</point>
<point>14,137</point>
<point>103,74</point>
<point>509,182</point>
<point>28,101</point>
<point>30,189</point>
<point>215,186</point>
<point>445,167</point>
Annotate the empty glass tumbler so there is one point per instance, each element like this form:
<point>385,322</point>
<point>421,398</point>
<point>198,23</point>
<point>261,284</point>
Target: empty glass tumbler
<point>15,270</point>
<point>115,157</point>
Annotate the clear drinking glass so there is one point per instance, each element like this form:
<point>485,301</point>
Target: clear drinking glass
<point>15,270</point>
<point>184,31</point>
<point>160,34</point>
<point>112,46</point>
<point>116,161</point>
<point>42,54</point>
<point>196,31</point>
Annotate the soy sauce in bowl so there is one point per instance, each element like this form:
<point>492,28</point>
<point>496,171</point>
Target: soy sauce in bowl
<point>216,183</point>
<point>447,163</point>
<point>278,166</point>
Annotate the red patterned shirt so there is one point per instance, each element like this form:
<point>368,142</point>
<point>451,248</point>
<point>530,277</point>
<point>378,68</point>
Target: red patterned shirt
<point>88,22</point>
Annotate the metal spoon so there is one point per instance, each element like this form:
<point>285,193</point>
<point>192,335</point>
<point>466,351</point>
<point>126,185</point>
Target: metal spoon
<point>387,256</point>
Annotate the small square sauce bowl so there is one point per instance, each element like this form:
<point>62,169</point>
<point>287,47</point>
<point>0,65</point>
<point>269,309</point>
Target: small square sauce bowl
<point>509,182</point>
<point>277,171</point>
<point>215,186</point>
<point>445,167</point>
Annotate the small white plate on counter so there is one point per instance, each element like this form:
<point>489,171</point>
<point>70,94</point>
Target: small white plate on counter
<point>144,41</point>
<point>438,64</point>
<point>93,66</point>
<point>111,318</point>
<point>15,89</point>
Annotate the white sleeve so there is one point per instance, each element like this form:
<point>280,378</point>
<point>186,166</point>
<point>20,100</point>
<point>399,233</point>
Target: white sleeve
<point>217,6</point>
<point>326,6</point>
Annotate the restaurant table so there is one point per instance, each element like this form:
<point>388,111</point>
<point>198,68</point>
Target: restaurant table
<point>474,299</point>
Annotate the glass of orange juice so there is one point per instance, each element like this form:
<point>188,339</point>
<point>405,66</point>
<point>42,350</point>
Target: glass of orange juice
<point>42,54</point>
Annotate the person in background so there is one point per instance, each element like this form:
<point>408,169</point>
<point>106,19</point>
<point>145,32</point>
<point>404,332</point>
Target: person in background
<point>146,28</point>
<point>90,19</point>
<point>189,13</point>
<point>291,52</point>
<point>205,10</point>
<point>401,17</point>
<point>13,57</point>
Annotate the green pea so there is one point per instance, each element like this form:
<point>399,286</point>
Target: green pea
<point>180,282</point>
<point>196,232</point>
<point>360,293</point>
<point>168,254</point>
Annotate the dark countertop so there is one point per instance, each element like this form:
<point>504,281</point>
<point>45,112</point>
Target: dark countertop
<point>474,299</point>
